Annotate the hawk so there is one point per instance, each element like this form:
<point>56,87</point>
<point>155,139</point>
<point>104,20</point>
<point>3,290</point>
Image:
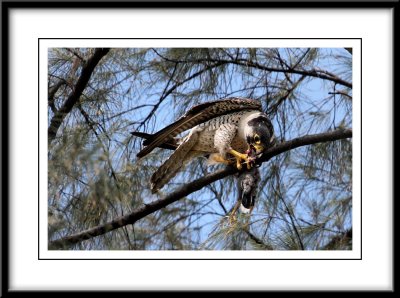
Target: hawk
<point>231,130</point>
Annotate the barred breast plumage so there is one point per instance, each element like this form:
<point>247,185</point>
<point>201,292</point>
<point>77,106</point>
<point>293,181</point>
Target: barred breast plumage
<point>205,142</point>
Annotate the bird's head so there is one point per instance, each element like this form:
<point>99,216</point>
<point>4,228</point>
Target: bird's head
<point>259,135</point>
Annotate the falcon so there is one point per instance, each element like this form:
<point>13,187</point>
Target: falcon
<point>229,131</point>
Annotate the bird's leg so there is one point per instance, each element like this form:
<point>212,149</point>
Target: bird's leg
<point>232,216</point>
<point>239,157</point>
<point>218,158</point>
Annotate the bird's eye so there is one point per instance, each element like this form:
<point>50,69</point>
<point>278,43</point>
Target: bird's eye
<point>257,139</point>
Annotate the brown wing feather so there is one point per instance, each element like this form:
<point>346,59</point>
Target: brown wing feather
<point>196,115</point>
<point>171,144</point>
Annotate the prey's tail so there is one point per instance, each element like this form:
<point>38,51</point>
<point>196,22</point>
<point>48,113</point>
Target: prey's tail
<point>248,185</point>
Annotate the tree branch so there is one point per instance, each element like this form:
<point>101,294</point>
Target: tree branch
<point>191,187</point>
<point>312,73</point>
<point>306,140</point>
<point>73,98</point>
<point>142,212</point>
<point>258,240</point>
<point>291,216</point>
<point>337,241</point>
<point>316,73</point>
<point>274,108</point>
<point>52,92</point>
<point>166,92</point>
<point>341,93</point>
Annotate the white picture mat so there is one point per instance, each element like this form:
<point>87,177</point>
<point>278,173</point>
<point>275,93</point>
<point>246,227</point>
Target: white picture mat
<point>373,271</point>
<point>45,44</point>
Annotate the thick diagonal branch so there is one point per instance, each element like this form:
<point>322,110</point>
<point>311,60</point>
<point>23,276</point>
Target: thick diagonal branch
<point>191,187</point>
<point>306,140</point>
<point>73,98</point>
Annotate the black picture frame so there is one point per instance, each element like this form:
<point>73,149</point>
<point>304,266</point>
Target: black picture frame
<point>9,6</point>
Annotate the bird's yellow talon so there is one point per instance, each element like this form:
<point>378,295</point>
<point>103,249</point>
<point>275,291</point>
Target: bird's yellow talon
<point>238,164</point>
<point>239,157</point>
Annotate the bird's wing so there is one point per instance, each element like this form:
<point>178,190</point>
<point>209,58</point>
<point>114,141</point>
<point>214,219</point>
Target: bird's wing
<point>170,144</point>
<point>175,162</point>
<point>197,115</point>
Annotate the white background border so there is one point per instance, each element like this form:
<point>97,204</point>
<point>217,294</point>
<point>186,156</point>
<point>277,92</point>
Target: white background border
<point>372,272</point>
<point>257,43</point>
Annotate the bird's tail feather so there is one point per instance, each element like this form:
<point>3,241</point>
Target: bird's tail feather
<point>170,144</point>
<point>165,173</point>
<point>174,163</point>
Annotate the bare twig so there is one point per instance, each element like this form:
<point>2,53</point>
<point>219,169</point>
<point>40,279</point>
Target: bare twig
<point>166,92</point>
<point>341,93</point>
<point>292,219</point>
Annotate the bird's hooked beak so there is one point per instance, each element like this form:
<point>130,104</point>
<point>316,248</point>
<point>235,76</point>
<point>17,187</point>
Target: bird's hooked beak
<point>259,148</point>
<point>255,150</point>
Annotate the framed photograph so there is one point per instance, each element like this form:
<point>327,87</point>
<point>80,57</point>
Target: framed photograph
<point>162,142</point>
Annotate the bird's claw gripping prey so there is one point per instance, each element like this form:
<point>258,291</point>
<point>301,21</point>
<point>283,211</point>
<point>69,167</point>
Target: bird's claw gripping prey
<point>247,158</point>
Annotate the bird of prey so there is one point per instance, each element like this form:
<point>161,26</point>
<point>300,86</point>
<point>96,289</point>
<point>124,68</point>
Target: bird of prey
<point>231,130</point>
